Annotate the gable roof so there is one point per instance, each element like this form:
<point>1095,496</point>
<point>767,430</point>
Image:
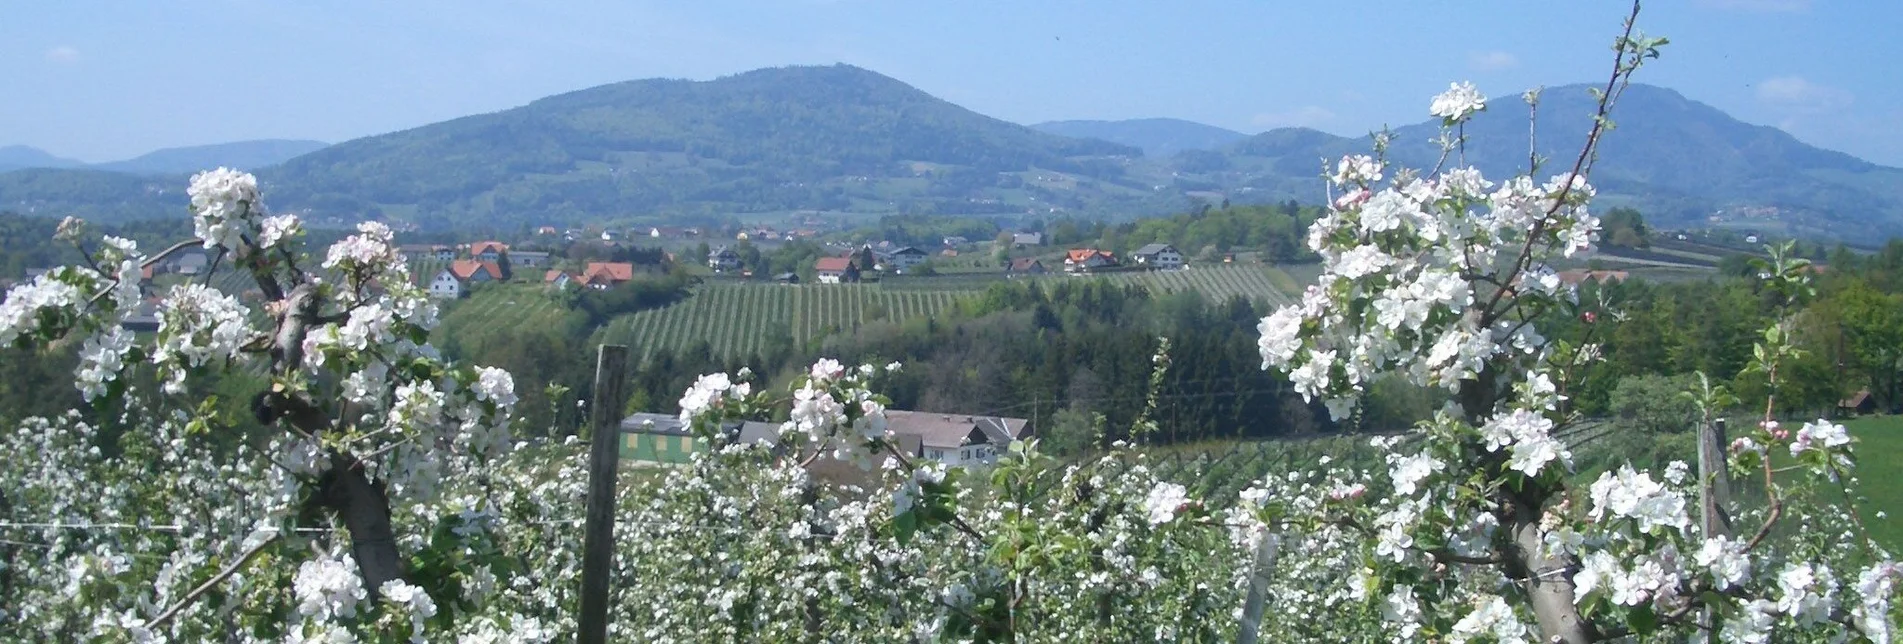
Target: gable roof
<point>552,276</point>
<point>481,247</point>
<point>1152,249</point>
<point>908,250</point>
<point>954,430</point>
<point>612,271</point>
<point>833,264</point>
<point>1084,254</point>
<point>1027,238</point>
<point>1023,264</point>
<point>464,269</point>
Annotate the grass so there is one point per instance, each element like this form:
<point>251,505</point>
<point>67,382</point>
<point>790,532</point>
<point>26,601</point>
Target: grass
<point>1880,476</point>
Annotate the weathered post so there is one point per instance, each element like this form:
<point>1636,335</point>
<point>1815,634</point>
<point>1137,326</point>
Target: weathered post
<point>1265,552</point>
<point>1714,493</point>
<point>597,560</point>
<point>1714,489</point>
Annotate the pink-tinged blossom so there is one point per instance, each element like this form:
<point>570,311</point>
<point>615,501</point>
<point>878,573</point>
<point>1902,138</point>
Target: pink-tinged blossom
<point>1822,434</point>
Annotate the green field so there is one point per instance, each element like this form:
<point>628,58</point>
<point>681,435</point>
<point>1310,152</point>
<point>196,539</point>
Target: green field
<point>1880,475</point>
<point>736,319</point>
<point>502,308</point>
<point>1222,281</point>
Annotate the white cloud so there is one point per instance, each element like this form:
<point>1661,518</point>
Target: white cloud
<point>1760,6</point>
<point>63,54</point>
<point>1797,95</point>
<point>1304,116</point>
<point>1492,61</point>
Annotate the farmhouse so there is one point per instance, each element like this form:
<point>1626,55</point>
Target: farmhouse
<point>488,251</point>
<point>1025,240</point>
<point>1084,260</point>
<point>437,252</point>
<point>723,259</point>
<point>834,270</point>
<point>904,259</point>
<point>1159,256</point>
<point>452,282</point>
<point>528,259</point>
<point>957,439</point>
<point>606,275</point>
<point>558,279</point>
<point>1026,266</point>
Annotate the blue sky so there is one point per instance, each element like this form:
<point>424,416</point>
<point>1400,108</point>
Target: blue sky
<point>99,80</point>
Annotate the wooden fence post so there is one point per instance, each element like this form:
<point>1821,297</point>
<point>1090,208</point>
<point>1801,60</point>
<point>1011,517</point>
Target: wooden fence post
<point>597,559</point>
<point>1265,553</point>
<point>1714,480</point>
<point>1714,494</point>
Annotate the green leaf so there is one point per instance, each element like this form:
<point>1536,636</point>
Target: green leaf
<point>1642,620</point>
<point>903,526</point>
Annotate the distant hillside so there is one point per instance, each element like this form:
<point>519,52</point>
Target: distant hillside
<point>844,139</point>
<point>827,138</point>
<point>246,155</point>
<point>14,157</point>
<point>1679,160</point>
<point>1158,137</point>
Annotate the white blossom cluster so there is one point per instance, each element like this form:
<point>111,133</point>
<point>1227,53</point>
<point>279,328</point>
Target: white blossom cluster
<point>225,207</point>
<point>198,324</point>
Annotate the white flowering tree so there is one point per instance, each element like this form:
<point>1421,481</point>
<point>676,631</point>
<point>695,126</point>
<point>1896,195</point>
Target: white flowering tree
<point>381,445</point>
<point>1476,530</point>
<point>391,504</point>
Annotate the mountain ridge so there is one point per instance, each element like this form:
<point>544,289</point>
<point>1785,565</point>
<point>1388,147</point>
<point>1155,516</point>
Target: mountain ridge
<point>1158,137</point>
<point>846,141</point>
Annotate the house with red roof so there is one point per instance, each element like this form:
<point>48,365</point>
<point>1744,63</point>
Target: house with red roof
<point>455,281</point>
<point>834,270</point>
<point>1084,260</point>
<point>488,251</point>
<point>606,275</point>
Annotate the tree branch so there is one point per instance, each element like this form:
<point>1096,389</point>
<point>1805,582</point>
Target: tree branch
<point>206,587</point>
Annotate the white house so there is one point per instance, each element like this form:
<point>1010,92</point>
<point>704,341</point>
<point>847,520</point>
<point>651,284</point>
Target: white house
<point>1159,256</point>
<point>452,282</point>
<point>833,270</point>
<point>723,259</point>
<point>957,439</point>
<point>904,259</point>
<point>446,285</point>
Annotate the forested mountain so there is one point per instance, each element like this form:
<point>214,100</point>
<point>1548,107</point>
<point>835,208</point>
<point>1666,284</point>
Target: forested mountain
<point>1679,160</point>
<point>833,138</point>
<point>844,139</point>
<point>14,157</point>
<point>1159,138</point>
<point>244,155</point>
